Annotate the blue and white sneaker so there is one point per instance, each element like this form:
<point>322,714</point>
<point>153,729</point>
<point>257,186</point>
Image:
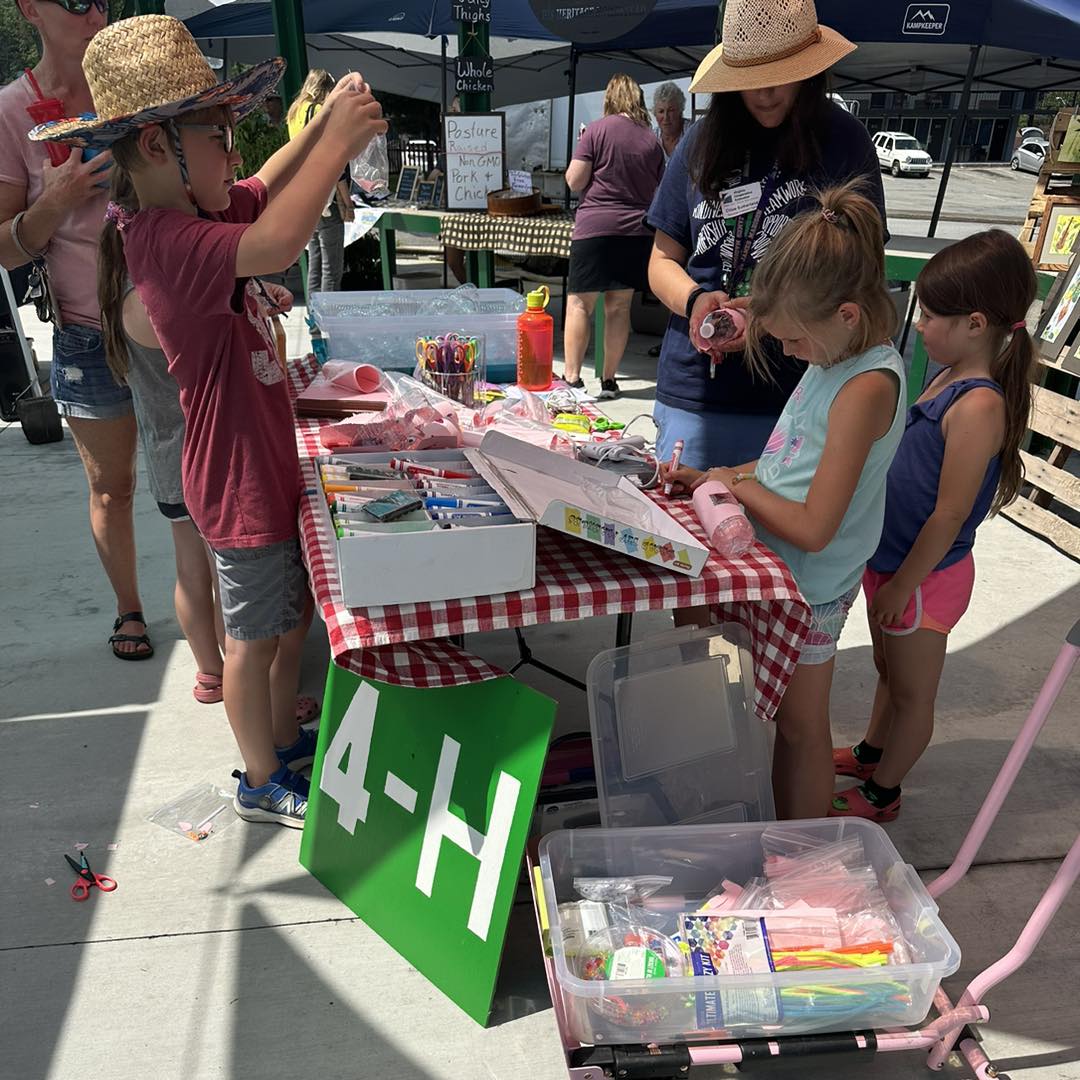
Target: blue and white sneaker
<point>302,752</point>
<point>283,799</point>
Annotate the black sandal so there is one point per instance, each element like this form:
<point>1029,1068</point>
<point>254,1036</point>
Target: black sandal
<point>138,639</point>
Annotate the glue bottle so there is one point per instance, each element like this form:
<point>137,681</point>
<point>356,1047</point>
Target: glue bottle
<point>535,342</point>
<point>721,515</point>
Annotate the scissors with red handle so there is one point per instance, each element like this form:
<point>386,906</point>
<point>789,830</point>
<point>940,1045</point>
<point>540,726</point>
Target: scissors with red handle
<point>87,879</point>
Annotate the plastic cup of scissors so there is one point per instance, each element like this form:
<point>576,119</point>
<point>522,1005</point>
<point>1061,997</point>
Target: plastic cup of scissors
<point>87,879</point>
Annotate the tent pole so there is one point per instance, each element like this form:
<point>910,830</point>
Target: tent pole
<point>443,80</point>
<point>956,132</point>
<point>289,32</point>
<point>570,116</point>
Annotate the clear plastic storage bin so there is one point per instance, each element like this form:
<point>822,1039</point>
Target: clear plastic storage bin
<point>381,328</point>
<point>675,737</point>
<point>695,1007</point>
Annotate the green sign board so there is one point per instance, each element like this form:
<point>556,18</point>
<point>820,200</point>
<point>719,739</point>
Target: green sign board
<point>420,808</point>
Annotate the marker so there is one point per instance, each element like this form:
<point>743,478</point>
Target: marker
<point>463,522</point>
<point>458,504</point>
<point>424,470</point>
<point>676,455</point>
<point>468,515</point>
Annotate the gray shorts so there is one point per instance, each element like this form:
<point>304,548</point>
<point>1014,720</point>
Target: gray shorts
<point>264,590</point>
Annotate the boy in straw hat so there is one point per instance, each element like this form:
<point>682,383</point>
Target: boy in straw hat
<point>193,241</point>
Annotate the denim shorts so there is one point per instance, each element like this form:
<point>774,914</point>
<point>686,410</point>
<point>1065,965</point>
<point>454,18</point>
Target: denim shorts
<point>826,622</point>
<point>711,438</point>
<point>264,590</point>
<point>82,384</point>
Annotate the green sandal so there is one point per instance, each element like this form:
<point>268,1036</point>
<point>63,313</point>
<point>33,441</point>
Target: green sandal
<point>138,639</point>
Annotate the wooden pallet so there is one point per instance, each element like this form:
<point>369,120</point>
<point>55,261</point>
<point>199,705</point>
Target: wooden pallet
<point>1058,418</point>
<point>1050,166</point>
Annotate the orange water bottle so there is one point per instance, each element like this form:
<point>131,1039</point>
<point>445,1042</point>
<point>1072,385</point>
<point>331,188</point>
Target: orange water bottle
<point>535,342</point>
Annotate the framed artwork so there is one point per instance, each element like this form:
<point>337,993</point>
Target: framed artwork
<point>1061,312</point>
<point>1059,233</point>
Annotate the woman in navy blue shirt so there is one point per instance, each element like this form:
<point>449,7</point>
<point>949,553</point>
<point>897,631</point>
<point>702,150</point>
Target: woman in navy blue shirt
<point>769,138</point>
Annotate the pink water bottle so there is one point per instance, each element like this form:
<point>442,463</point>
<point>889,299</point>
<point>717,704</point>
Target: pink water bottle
<point>727,527</point>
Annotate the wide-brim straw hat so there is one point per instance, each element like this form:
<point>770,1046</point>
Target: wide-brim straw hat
<point>769,43</point>
<point>147,70</point>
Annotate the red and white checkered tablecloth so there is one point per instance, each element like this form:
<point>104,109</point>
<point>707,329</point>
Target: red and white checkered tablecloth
<point>405,644</point>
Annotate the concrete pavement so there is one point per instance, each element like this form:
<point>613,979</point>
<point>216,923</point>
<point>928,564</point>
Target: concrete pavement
<point>227,960</point>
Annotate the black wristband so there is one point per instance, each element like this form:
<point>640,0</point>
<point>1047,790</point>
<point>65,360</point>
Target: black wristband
<point>692,299</point>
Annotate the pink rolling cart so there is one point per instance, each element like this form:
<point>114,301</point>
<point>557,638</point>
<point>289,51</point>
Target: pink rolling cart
<point>949,1030</point>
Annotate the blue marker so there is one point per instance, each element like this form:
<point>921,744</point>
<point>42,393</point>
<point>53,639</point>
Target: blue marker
<point>458,504</point>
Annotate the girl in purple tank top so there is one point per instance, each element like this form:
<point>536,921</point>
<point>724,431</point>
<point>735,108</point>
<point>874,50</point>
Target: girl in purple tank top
<point>959,460</point>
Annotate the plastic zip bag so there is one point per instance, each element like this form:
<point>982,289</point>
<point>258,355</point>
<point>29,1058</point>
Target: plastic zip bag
<point>370,169</point>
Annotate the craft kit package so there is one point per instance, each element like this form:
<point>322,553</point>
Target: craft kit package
<point>750,930</point>
<point>382,328</point>
<point>675,738</point>
<point>587,502</point>
<point>476,535</point>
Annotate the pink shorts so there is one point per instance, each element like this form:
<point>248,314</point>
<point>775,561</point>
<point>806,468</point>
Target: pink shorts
<point>936,604</point>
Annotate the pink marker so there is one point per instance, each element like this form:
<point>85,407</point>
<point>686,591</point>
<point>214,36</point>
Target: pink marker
<point>425,470</point>
<point>676,454</point>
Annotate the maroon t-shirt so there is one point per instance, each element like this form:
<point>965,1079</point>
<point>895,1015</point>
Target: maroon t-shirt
<point>627,164</point>
<point>240,467</point>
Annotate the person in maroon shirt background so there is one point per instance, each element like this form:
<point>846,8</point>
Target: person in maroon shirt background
<point>616,167</point>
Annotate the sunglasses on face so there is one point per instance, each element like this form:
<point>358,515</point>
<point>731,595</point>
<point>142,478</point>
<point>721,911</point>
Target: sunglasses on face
<point>228,135</point>
<point>81,7</point>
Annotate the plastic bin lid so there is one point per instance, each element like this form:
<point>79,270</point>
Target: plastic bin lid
<point>675,738</point>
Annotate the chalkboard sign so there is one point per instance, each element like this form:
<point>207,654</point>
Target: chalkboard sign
<point>593,22</point>
<point>425,193</point>
<point>406,182</point>
<point>471,11</point>
<point>440,191</point>
<point>475,158</point>
<point>474,75</point>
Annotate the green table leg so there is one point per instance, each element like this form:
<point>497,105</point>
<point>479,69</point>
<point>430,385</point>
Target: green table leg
<point>600,323</point>
<point>472,267</point>
<point>387,255</point>
<point>917,377</point>
<point>486,269</point>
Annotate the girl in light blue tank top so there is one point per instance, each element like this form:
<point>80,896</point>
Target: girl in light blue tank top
<point>816,495</point>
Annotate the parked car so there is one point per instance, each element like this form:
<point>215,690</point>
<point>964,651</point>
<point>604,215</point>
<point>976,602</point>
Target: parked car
<point>902,154</point>
<point>1030,155</point>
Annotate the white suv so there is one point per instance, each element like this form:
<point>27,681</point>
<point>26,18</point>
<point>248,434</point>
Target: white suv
<point>901,154</point>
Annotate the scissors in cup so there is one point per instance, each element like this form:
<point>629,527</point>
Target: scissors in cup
<point>87,879</point>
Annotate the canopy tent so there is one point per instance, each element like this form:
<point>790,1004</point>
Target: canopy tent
<point>912,48</point>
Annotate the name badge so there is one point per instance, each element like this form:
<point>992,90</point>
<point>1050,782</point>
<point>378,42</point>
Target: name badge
<point>741,200</point>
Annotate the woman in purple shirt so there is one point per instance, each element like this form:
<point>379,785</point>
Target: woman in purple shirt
<point>617,167</point>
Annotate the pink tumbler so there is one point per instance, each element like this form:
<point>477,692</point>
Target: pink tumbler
<point>727,527</point>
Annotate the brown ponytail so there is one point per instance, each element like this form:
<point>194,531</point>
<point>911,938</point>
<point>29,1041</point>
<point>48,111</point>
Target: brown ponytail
<point>991,273</point>
<point>828,256</point>
<point>112,266</point>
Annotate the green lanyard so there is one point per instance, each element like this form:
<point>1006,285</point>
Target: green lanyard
<point>747,228</point>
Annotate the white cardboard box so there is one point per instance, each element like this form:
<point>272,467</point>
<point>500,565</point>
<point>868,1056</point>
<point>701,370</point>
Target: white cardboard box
<point>539,486</point>
<point>443,564</point>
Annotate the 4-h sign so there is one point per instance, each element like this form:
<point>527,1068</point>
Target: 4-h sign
<point>420,808</point>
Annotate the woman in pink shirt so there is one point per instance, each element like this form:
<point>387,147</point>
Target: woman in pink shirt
<point>56,213</point>
<point>617,166</point>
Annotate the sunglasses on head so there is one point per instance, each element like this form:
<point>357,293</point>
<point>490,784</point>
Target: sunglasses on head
<point>81,7</point>
<point>228,135</point>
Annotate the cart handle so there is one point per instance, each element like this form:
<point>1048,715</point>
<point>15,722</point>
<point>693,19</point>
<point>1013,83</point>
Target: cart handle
<point>1014,762</point>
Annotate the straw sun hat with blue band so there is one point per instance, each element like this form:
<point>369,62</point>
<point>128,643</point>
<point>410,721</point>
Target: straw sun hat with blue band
<point>148,70</point>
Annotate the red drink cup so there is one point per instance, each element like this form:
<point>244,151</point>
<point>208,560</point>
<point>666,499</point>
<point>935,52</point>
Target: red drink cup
<point>42,111</point>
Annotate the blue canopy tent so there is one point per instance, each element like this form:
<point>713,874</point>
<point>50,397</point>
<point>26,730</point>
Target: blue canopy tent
<point>912,48</point>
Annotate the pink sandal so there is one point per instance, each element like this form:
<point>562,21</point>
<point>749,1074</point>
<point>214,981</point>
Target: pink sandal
<point>207,691</point>
<point>845,763</point>
<point>853,803</point>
